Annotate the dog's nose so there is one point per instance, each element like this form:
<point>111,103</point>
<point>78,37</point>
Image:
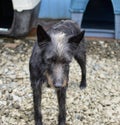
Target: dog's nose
<point>58,84</point>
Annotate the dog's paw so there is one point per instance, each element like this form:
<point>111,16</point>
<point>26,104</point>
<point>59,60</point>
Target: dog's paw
<point>62,123</point>
<point>83,85</point>
<point>38,123</point>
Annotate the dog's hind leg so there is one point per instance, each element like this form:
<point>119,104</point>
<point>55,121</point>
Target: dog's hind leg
<point>81,59</point>
<point>61,95</point>
<point>37,92</point>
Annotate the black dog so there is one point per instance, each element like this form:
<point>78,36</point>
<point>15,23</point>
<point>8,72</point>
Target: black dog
<point>50,59</point>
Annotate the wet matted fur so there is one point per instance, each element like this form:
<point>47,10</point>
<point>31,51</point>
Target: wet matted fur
<point>50,59</point>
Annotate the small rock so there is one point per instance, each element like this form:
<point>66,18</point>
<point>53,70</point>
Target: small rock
<point>11,45</point>
<point>1,82</point>
<point>101,42</point>
<point>6,70</point>
<point>16,105</point>
<point>106,102</point>
<point>7,112</point>
<point>108,112</point>
<point>1,40</point>
<point>29,107</point>
<point>18,41</point>
<point>116,100</point>
<point>10,90</point>
<point>96,67</point>
<point>9,97</point>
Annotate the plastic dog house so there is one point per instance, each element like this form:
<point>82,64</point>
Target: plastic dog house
<point>17,17</point>
<point>100,18</point>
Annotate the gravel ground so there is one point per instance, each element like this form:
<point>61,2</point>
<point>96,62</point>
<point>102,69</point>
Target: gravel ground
<point>98,104</point>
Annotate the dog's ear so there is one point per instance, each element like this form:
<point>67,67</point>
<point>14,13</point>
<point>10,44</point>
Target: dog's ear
<point>75,40</point>
<point>42,36</point>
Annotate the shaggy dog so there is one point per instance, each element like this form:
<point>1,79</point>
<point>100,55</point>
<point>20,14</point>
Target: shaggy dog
<point>50,59</point>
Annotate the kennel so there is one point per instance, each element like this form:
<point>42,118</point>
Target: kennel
<point>99,18</point>
<point>17,17</point>
<point>55,9</point>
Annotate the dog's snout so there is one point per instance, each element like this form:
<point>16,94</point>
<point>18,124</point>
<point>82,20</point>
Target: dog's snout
<point>58,83</point>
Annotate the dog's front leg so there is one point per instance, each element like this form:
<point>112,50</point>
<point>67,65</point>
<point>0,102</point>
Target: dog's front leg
<point>82,62</point>
<point>37,102</point>
<point>61,95</point>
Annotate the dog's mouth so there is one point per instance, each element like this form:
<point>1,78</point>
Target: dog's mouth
<point>59,85</point>
<point>56,85</point>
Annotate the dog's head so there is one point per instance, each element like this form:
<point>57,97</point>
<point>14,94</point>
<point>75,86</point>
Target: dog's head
<point>57,52</point>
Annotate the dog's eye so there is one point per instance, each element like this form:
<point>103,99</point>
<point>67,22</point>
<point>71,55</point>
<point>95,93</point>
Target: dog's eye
<point>54,59</point>
<point>65,61</point>
<point>48,60</point>
<point>51,60</point>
